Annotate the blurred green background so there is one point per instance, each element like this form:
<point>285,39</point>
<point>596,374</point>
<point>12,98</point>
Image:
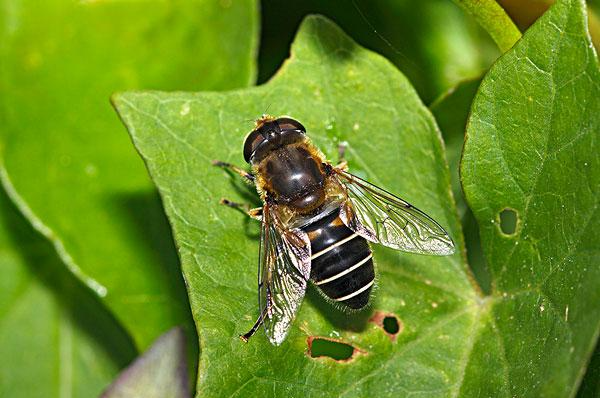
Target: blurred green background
<point>433,42</point>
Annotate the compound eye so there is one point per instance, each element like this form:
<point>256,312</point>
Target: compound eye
<point>252,141</point>
<point>286,123</point>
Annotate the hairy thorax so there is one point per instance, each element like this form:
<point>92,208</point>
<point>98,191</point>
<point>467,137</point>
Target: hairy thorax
<point>294,176</point>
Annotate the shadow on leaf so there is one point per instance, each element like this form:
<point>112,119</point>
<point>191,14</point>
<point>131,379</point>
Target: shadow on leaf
<point>83,308</point>
<point>143,214</point>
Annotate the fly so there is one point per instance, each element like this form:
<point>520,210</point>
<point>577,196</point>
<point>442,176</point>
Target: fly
<point>317,220</point>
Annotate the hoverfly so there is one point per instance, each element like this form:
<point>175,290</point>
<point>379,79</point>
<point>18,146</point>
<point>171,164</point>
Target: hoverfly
<point>317,220</point>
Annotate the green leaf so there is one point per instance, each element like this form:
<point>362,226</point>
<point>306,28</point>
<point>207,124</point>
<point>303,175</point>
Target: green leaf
<point>532,146</point>
<point>451,340</point>
<point>56,338</point>
<point>341,92</point>
<point>494,20</point>
<point>68,161</point>
<point>158,373</point>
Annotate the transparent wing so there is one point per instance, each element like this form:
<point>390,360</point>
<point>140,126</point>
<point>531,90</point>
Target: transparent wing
<point>284,269</point>
<point>383,218</point>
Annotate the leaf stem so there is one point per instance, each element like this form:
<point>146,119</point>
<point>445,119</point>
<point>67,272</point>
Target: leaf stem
<point>492,17</point>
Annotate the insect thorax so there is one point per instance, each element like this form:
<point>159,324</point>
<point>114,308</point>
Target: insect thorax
<point>294,176</point>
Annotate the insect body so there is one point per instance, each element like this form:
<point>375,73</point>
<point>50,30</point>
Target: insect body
<point>341,264</point>
<point>317,220</point>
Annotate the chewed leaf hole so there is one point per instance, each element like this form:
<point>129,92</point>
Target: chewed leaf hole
<point>319,347</point>
<point>508,221</point>
<point>390,323</point>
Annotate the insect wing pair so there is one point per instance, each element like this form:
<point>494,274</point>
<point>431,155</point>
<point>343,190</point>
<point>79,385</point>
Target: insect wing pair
<point>371,212</point>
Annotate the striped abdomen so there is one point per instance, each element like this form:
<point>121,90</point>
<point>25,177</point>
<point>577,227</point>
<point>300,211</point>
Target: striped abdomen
<point>341,264</point>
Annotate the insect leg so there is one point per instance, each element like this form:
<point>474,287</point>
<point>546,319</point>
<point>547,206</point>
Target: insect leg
<point>246,336</point>
<point>342,163</point>
<point>238,170</point>
<point>255,213</point>
<point>342,151</point>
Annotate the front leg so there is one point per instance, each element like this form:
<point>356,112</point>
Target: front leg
<point>238,170</point>
<point>255,213</point>
<point>342,163</point>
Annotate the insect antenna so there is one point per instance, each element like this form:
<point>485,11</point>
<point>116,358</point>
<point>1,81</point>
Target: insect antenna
<point>246,336</point>
<point>266,112</point>
<point>383,38</point>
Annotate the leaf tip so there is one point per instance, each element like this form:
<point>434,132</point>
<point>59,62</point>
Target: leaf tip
<point>118,101</point>
<point>316,28</point>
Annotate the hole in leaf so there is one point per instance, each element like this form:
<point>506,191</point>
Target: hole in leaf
<point>390,323</point>
<point>508,221</point>
<point>330,348</point>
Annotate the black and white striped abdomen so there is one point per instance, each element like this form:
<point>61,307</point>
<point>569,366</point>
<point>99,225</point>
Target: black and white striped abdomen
<point>341,264</point>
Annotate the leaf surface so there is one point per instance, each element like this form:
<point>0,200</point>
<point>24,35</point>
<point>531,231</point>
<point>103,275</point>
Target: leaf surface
<point>449,343</point>
<point>492,17</point>
<point>532,146</point>
<point>67,159</point>
<point>56,338</point>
